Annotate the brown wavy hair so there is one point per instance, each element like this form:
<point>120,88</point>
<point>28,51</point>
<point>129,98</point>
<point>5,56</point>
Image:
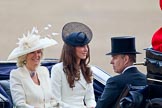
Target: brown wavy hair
<point>71,68</point>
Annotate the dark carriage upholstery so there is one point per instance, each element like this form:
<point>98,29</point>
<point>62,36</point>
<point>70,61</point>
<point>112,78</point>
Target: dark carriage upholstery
<point>5,69</point>
<point>154,73</point>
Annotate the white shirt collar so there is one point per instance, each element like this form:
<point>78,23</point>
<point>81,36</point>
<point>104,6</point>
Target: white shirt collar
<point>127,68</point>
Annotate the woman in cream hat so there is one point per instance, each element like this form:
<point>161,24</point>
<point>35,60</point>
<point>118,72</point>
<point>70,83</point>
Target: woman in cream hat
<point>30,83</point>
<point>72,82</point>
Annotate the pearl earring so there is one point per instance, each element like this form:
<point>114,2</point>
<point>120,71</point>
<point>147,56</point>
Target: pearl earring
<point>24,62</point>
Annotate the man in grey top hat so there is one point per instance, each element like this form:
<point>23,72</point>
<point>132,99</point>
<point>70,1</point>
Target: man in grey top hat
<point>123,54</point>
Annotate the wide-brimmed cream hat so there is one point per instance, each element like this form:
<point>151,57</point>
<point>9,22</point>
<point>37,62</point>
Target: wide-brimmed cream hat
<point>30,43</point>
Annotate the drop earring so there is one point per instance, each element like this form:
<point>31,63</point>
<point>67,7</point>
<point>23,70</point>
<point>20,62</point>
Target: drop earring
<point>24,61</point>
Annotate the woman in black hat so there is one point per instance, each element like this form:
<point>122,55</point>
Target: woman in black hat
<point>123,54</point>
<point>72,77</point>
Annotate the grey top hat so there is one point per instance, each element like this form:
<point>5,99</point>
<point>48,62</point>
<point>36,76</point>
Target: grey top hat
<point>123,45</point>
<point>76,34</point>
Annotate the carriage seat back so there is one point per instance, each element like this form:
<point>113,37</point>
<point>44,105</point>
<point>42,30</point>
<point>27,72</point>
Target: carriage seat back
<point>154,66</point>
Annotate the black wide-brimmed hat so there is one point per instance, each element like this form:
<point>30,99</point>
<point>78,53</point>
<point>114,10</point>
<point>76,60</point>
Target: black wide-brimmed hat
<point>76,34</point>
<point>123,45</point>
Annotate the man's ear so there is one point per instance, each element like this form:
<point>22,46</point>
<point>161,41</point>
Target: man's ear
<point>126,59</point>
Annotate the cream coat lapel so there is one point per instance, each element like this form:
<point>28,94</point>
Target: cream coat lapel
<point>82,81</point>
<point>25,72</point>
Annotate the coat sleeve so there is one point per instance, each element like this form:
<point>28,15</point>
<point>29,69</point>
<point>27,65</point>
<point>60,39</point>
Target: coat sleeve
<point>17,91</point>
<point>109,95</point>
<point>56,81</point>
<point>53,101</point>
<point>89,97</point>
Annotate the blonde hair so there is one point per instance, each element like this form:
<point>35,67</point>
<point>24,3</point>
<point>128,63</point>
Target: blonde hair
<point>21,60</point>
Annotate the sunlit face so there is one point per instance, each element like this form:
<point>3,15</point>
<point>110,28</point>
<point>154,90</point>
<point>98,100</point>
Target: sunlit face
<point>33,58</point>
<point>118,62</point>
<point>81,52</point>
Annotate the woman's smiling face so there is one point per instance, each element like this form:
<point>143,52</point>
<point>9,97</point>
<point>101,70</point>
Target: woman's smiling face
<point>81,52</point>
<point>33,58</point>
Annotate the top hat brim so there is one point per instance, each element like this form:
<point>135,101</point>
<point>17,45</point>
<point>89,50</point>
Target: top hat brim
<point>123,45</point>
<point>112,53</point>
